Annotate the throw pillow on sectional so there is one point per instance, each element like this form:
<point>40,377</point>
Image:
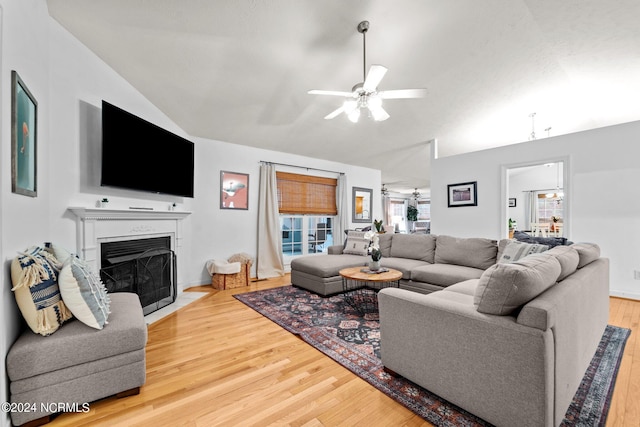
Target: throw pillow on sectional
<point>34,275</point>
<point>84,293</point>
<point>516,250</point>
<point>356,243</point>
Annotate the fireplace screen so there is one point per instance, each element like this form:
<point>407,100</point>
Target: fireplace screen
<point>146,267</point>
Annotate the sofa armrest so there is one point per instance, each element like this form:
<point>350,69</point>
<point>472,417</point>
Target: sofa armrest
<point>489,365</point>
<point>335,249</point>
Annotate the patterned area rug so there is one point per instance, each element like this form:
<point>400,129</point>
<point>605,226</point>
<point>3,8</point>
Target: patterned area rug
<point>336,329</point>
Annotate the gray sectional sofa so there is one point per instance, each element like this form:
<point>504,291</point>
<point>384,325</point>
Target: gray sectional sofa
<point>508,340</point>
<point>428,263</point>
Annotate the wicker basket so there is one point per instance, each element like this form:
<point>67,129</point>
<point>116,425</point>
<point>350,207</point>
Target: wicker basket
<point>230,281</point>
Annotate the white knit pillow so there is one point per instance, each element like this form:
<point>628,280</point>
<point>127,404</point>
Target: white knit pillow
<point>516,250</point>
<point>84,293</point>
<point>356,243</point>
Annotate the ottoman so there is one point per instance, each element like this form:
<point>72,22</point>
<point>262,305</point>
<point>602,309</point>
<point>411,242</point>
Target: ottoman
<point>78,364</point>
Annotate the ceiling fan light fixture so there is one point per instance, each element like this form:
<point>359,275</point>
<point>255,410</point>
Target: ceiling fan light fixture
<point>354,115</point>
<point>365,95</point>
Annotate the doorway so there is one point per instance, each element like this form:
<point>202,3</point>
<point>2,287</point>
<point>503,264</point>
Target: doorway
<point>536,198</point>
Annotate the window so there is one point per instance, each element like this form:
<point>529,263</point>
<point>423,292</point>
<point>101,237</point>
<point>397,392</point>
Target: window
<point>397,214</point>
<point>548,208</point>
<point>302,235</point>
<point>307,205</point>
<point>424,210</point>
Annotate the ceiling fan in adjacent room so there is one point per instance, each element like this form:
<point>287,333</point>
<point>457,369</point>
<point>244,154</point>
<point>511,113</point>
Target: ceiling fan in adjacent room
<point>365,96</point>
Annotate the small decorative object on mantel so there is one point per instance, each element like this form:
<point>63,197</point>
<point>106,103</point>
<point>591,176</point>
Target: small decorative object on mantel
<point>374,250</point>
<point>102,203</point>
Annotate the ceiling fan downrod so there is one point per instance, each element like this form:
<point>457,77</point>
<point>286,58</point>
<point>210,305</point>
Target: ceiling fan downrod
<point>363,27</point>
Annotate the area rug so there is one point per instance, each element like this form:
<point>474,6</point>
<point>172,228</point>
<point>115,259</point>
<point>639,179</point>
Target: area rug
<point>332,326</point>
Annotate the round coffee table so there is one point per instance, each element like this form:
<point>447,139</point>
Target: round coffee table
<point>361,287</point>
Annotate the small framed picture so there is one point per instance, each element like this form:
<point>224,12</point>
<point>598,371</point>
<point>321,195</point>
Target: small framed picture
<point>512,202</point>
<point>463,194</point>
<point>24,124</point>
<point>234,190</point>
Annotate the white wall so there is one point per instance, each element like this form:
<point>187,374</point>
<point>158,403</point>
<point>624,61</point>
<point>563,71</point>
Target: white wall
<point>601,192</point>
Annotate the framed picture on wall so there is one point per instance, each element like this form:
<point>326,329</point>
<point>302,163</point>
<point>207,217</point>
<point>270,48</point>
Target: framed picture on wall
<point>512,202</point>
<point>464,194</point>
<point>24,124</point>
<point>234,190</point>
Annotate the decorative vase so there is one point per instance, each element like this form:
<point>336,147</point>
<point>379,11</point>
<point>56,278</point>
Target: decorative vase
<point>374,265</point>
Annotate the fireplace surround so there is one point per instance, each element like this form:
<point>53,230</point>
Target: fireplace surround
<point>126,228</point>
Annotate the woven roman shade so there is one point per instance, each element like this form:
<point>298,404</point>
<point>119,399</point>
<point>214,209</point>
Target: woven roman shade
<point>305,194</point>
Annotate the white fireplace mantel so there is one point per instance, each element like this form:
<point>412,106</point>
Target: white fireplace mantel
<point>102,214</point>
<point>98,224</point>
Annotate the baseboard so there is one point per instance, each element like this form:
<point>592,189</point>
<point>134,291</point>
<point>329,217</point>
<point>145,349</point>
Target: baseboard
<point>625,294</point>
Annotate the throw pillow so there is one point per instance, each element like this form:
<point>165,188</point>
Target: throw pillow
<point>516,250</point>
<point>503,288</point>
<point>84,293</point>
<point>34,275</point>
<point>356,243</point>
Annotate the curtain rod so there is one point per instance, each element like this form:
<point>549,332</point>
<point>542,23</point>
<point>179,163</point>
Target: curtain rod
<point>547,189</point>
<point>301,167</point>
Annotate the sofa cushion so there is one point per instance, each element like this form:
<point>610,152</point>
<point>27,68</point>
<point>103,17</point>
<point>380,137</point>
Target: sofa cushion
<point>34,274</point>
<point>503,288</point>
<point>404,265</point>
<point>470,252</point>
<point>327,265</point>
<point>587,253</point>
<point>444,274</point>
<point>414,246</point>
<point>515,250</point>
<point>76,344</point>
<point>356,243</point>
<point>385,244</point>
<point>467,287</point>
<point>568,258</point>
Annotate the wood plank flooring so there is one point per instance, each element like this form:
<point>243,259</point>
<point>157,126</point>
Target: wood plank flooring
<point>217,362</point>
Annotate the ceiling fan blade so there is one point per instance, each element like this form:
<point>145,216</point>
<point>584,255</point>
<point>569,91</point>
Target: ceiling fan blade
<point>374,76</point>
<point>334,113</point>
<point>379,114</point>
<point>330,92</point>
<point>402,93</point>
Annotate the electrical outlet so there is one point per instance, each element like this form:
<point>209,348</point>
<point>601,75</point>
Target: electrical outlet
<point>636,275</point>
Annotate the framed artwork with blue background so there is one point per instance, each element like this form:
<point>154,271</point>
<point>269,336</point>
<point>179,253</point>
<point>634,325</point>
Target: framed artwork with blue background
<point>24,124</point>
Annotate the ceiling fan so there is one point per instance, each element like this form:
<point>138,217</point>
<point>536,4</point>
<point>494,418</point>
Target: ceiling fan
<point>365,96</point>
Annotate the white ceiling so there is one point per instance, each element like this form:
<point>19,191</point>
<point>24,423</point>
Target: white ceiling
<point>239,70</point>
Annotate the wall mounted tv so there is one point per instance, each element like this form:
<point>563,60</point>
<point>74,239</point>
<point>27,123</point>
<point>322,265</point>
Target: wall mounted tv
<point>139,155</point>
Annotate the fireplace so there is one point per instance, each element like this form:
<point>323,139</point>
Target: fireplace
<point>144,240</point>
<point>146,267</point>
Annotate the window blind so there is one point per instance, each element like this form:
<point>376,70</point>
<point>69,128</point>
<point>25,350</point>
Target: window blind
<point>306,194</point>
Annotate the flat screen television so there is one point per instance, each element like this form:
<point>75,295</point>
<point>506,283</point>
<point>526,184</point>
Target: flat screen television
<point>139,155</point>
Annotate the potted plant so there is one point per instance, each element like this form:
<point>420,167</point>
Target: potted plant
<point>512,227</point>
<point>412,215</point>
<point>378,225</point>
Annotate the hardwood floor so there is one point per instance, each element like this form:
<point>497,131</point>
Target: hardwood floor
<point>218,362</point>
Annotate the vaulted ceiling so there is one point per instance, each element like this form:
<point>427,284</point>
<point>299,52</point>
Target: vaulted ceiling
<point>239,70</point>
